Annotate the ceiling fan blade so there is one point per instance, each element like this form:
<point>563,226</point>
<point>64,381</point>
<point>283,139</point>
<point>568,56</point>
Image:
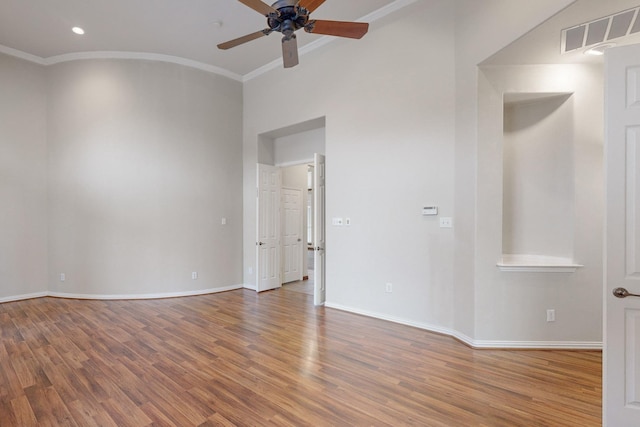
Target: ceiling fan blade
<point>310,5</point>
<point>353,30</point>
<point>243,39</point>
<point>259,7</point>
<point>290,51</point>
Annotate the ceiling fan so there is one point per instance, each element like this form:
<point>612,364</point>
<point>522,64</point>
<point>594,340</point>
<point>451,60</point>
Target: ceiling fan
<point>287,17</point>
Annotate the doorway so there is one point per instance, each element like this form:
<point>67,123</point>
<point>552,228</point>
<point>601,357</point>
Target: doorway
<point>282,243</point>
<point>297,155</point>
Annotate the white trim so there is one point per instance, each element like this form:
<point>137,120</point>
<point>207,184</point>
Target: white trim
<point>144,296</point>
<point>479,344</point>
<point>77,56</point>
<point>24,297</point>
<point>142,56</point>
<point>250,287</point>
<point>293,163</point>
<point>544,345</point>
<point>511,268</point>
<point>22,55</point>
<point>536,264</point>
<point>121,296</point>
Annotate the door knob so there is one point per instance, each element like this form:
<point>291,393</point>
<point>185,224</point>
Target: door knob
<point>623,293</point>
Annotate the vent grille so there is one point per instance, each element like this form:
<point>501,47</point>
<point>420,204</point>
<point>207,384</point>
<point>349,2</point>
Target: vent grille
<point>601,30</point>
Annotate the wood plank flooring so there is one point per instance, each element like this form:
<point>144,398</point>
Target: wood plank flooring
<point>239,358</point>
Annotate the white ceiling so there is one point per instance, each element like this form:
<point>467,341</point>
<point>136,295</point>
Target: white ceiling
<point>542,45</point>
<point>188,30</point>
<point>185,29</point>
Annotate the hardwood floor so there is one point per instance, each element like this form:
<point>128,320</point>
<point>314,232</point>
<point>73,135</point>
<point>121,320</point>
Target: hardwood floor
<point>239,358</point>
<point>304,286</point>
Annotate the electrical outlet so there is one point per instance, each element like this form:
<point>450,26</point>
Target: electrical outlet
<point>194,275</point>
<point>63,277</point>
<point>388,287</point>
<point>223,221</point>
<point>551,315</point>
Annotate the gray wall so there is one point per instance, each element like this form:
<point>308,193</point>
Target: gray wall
<point>389,133</point>
<point>143,165</point>
<point>23,178</point>
<point>138,165</point>
<point>143,162</point>
<point>511,306</point>
<point>401,133</point>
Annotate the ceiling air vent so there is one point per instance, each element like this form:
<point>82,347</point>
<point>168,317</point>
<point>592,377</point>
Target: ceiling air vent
<point>601,30</point>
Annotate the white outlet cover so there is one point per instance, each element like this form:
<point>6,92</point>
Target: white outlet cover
<point>446,222</point>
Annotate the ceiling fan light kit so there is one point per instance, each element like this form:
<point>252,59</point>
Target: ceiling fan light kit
<point>287,17</point>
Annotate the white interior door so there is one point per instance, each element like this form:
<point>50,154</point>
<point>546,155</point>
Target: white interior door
<point>621,380</point>
<point>292,243</point>
<point>268,239</point>
<point>319,293</point>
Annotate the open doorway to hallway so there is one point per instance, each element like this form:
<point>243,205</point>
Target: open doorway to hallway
<point>296,156</point>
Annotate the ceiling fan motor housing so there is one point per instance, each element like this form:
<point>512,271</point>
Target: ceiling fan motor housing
<point>290,19</point>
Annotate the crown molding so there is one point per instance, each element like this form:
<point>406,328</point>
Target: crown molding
<point>22,55</point>
<point>142,56</point>
<point>78,56</point>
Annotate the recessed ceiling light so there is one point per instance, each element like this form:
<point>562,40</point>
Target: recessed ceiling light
<point>599,49</point>
<point>78,30</point>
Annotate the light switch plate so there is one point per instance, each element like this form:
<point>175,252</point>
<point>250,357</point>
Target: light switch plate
<point>446,222</point>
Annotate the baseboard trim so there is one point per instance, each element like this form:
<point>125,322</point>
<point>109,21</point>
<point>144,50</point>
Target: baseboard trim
<point>120,296</point>
<point>24,297</point>
<point>250,287</point>
<point>477,344</point>
<point>144,296</point>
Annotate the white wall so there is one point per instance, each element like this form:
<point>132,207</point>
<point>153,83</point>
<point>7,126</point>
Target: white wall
<point>512,306</point>
<point>23,181</point>
<point>301,146</point>
<point>388,103</point>
<point>482,28</point>
<point>538,208</point>
<point>401,133</point>
<point>144,162</point>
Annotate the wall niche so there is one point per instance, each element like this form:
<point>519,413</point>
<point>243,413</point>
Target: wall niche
<point>538,211</point>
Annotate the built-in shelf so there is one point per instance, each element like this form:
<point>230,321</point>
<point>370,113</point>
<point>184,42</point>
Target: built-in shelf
<point>536,264</point>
